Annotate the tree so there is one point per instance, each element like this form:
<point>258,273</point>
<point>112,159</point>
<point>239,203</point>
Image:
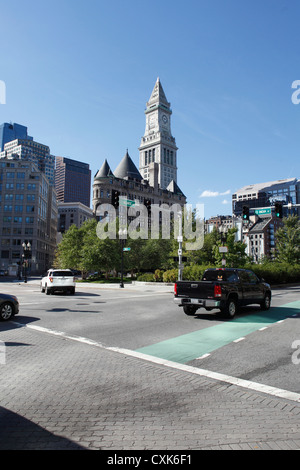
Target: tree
<point>236,255</point>
<point>288,241</point>
<point>69,249</point>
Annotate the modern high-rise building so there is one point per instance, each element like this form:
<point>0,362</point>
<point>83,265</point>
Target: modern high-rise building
<point>9,132</point>
<point>72,181</point>
<point>158,145</point>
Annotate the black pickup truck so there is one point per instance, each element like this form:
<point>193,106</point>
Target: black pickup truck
<point>223,288</point>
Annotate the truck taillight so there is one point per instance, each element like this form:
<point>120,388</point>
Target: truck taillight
<point>51,279</point>
<point>217,291</point>
<point>175,288</point>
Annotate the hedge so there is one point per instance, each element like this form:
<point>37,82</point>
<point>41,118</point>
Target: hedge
<point>273,273</point>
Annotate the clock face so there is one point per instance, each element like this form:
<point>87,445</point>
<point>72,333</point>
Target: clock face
<point>165,119</point>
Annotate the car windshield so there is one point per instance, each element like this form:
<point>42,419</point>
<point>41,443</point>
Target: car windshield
<point>62,273</point>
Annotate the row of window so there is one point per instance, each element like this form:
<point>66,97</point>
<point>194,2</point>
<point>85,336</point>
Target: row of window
<point>30,186</point>
<point>168,156</point>
<point>17,208</point>
<point>17,220</point>
<point>18,197</point>
<point>16,231</point>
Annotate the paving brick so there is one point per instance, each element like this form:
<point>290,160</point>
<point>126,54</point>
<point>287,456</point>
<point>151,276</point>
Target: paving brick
<point>61,394</point>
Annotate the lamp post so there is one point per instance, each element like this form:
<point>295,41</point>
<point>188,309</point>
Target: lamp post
<point>26,254</point>
<point>122,237</point>
<point>223,249</point>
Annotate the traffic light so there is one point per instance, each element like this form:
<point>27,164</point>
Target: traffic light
<point>115,198</point>
<point>278,210</point>
<point>245,213</point>
<point>148,205</point>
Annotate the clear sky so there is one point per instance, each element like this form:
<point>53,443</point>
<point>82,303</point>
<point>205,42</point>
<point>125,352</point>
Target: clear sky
<point>78,74</point>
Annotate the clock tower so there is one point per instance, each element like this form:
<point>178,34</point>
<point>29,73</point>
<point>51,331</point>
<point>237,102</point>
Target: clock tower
<point>158,145</point>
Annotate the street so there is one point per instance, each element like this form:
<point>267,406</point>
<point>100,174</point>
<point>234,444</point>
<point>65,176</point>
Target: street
<point>128,359</point>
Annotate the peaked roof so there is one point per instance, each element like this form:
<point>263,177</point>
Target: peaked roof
<point>158,95</point>
<point>174,188</point>
<point>127,169</point>
<point>104,171</point>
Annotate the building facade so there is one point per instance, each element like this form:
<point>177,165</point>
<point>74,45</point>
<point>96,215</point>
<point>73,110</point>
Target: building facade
<point>28,213</point>
<point>158,145</point>
<point>131,186</point>
<point>72,213</point>
<point>73,181</point>
<point>35,152</point>
<point>9,132</point>
<point>265,195</point>
<point>259,237</point>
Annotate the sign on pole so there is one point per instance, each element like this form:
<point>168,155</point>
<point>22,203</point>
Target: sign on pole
<point>263,211</point>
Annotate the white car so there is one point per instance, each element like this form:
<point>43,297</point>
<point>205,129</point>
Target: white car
<point>61,280</point>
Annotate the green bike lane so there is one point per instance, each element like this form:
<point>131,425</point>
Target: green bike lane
<point>185,348</point>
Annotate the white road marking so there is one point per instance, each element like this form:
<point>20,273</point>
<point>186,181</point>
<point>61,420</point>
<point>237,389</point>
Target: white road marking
<point>238,340</point>
<point>269,390</point>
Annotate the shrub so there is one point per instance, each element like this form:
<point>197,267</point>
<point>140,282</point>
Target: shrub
<point>171,275</point>
<point>146,277</point>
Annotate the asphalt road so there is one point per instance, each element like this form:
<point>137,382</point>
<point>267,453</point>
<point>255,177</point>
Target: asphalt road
<point>112,368</point>
<point>257,346</point>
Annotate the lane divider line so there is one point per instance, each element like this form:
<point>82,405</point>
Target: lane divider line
<point>249,385</point>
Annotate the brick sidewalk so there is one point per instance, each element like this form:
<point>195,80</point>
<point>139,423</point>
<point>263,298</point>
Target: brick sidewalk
<point>61,394</point>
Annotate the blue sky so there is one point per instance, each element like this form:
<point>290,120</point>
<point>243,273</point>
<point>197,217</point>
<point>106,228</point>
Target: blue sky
<point>78,74</point>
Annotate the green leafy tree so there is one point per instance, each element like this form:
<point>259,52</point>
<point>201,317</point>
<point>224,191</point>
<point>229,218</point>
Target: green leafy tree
<point>236,255</point>
<point>288,241</point>
<point>69,249</point>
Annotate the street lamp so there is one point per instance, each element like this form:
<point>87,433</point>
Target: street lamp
<point>223,231</point>
<point>26,254</point>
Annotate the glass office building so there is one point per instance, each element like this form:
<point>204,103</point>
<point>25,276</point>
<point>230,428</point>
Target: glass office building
<point>265,195</point>
<point>9,132</point>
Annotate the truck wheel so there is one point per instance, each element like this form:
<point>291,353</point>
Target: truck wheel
<point>231,308</point>
<point>266,303</point>
<point>189,309</point>
<point>72,290</point>
<point>42,288</point>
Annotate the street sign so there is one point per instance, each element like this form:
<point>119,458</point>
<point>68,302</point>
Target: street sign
<point>126,202</point>
<point>127,248</point>
<point>263,211</point>
<point>223,249</point>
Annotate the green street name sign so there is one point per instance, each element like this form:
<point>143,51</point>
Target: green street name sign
<point>127,248</point>
<point>127,202</point>
<point>263,211</point>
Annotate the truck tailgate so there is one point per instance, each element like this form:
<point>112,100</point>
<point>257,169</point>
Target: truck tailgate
<point>195,289</point>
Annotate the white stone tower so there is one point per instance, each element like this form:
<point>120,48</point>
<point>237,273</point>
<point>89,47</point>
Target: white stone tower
<point>158,145</point>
